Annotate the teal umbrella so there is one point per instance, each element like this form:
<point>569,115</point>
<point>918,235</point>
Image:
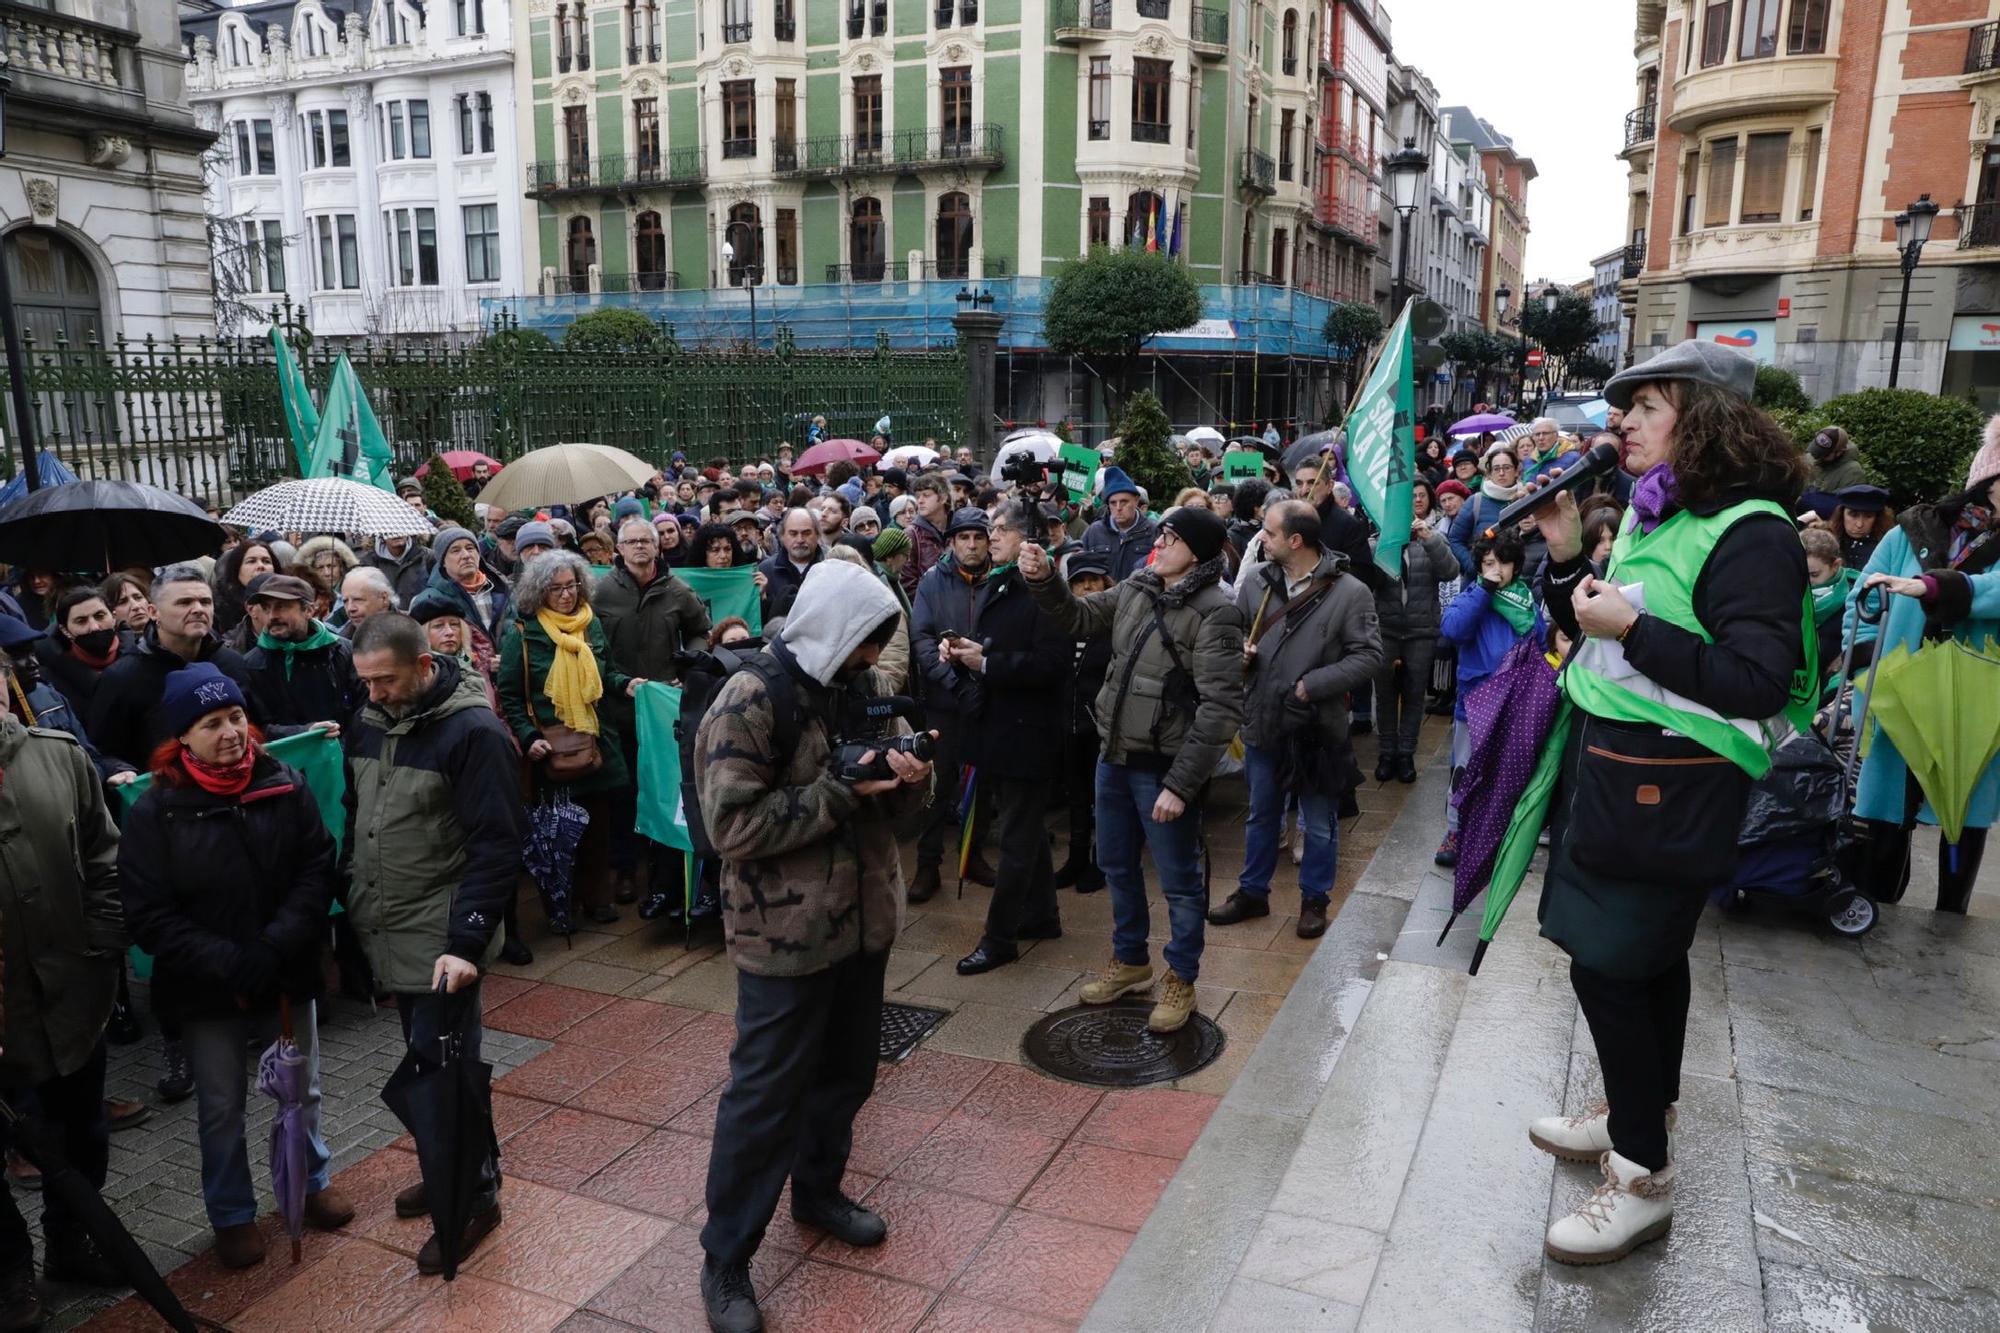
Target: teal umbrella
<point>1524,830</point>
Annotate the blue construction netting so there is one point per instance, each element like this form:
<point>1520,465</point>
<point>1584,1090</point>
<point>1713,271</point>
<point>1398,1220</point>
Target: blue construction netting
<point>918,312</point>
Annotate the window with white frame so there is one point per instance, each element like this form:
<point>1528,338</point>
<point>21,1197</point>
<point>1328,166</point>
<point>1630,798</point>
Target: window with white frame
<point>325,143</point>
<point>406,129</point>
<point>237,48</point>
<point>410,242</point>
<point>315,36</point>
<point>336,243</point>
<point>475,123</point>
<point>482,242</point>
<point>468,17</point>
<point>263,267</point>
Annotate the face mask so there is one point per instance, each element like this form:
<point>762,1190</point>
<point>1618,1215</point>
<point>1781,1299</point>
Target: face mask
<point>97,642</point>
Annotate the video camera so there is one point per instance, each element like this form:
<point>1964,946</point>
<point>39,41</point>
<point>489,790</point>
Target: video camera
<point>867,720</point>
<point>1024,469</point>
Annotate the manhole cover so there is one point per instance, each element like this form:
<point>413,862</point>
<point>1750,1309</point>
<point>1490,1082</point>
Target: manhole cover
<point>1109,1046</point>
<point>903,1026</point>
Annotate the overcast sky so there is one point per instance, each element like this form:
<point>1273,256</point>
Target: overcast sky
<point>1505,60</point>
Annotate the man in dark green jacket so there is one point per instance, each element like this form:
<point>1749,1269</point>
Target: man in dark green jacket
<point>63,932</point>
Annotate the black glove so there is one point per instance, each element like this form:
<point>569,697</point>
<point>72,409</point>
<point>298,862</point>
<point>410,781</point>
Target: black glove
<point>256,971</point>
<point>1492,588</point>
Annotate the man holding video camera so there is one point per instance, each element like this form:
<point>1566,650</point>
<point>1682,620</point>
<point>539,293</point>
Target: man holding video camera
<point>800,782</point>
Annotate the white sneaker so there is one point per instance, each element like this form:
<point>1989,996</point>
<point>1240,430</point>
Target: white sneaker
<point>1299,846</point>
<point>1580,1138</point>
<point>1632,1206</point>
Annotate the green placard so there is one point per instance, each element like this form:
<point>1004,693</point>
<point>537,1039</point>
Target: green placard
<point>1242,464</point>
<point>662,814</point>
<point>727,592</point>
<point>1079,469</point>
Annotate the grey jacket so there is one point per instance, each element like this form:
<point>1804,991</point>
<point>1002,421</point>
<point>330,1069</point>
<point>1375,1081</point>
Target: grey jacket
<point>1333,645</point>
<point>1137,719</point>
<point>1408,606</point>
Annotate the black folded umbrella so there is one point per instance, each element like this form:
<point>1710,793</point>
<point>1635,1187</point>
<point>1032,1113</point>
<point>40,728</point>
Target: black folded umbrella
<point>62,1181</point>
<point>103,526</point>
<point>446,1102</point>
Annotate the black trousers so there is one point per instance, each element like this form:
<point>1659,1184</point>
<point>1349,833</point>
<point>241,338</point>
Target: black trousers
<point>1881,858</point>
<point>1080,790</point>
<point>70,1110</point>
<point>1024,892</point>
<point>1640,1029</point>
<point>801,1069</point>
<point>940,826</point>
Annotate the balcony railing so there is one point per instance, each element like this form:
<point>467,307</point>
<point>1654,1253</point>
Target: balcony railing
<point>880,270</point>
<point>739,148</point>
<point>1351,220</point>
<point>905,150</point>
<point>560,284</point>
<point>1982,49</point>
<point>1640,125</point>
<point>1258,172</point>
<point>1081,15</point>
<point>786,29</point>
<point>737,32</point>
<point>1978,225</point>
<point>1209,27</point>
<point>1100,129</point>
<point>1154,9</point>
<point>1635,258</point>
<point>675,168</point>
<point>1251,278</point>
<point>1147,131</point>
<point>71,66</point>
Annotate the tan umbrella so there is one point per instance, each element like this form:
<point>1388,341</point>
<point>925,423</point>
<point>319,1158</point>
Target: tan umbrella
<point>565,474</point>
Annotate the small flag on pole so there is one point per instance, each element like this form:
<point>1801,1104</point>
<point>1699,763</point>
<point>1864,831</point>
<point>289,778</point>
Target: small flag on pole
<point>1152,225</point>
<point>1174,245</point>
<point>295,400</point>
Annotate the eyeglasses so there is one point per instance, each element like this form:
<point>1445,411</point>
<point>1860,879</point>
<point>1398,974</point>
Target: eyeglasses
<point>637,543</point>
<point>1166,538</point>
<point>1502,467</point>
<point>555,588</point>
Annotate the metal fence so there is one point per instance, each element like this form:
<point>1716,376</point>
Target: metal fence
<point>203,418</point>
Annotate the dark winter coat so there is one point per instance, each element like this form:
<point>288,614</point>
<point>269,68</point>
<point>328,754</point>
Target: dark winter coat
<point>125,718</point>
<point>1008,707</point>
<point>409,575</point>
<point>1333,645</point>
<point>524,699</point>
<point>435,829</point>
<point>781,586</point>
<point>1128,549</point>
<point>320,687</point>
<point>927,547</point>
<point>228,893</point>
<point>77,679</point>
<point>1408,606</point>
<point>644,628</point>
<point>1345,535</point>
<point>445,585</point>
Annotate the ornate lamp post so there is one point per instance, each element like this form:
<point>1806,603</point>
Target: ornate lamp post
<point>1406,169</point>
<point>1913,228</point>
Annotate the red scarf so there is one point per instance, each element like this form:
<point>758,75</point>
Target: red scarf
<point>94,663</point>
<point>230,781</point>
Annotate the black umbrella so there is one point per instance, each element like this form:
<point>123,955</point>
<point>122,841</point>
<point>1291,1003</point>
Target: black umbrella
<point>447,1105</point>
<point>105,525</point>
<point>1308,447</point>
<point>1262,446</point>
<point>62,1181</point>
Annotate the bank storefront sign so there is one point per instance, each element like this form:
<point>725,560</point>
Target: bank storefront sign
<point>1972,361</point>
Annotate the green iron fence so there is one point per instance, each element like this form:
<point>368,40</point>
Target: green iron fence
<point>201,417</point>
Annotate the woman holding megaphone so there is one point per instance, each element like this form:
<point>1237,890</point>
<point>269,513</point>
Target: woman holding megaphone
<point>1694,655</point>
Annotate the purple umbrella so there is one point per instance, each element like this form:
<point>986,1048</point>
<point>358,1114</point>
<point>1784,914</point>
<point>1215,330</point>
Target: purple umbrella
<point>283,1076</point>
<point>555,830</point>
<point>1480,422</point>
<point>1507,715</point>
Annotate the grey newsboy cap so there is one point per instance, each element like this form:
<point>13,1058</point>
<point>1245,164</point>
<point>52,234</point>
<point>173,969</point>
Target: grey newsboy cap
<point>1703,362</point>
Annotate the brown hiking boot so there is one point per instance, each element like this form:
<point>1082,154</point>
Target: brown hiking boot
<point>1117,980</point>
<point>328,1210</point>
<point>1174,1007</point>
<point>925,886</point>
<point>239,1246</point>
<point>478,1227</point>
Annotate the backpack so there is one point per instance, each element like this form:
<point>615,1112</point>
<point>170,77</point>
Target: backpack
<point>790,716</point>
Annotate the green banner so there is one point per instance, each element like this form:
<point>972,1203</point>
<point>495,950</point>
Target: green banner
<point>1078,469</point>
<point>295,400</point>
<point>350,443</point>
<point>661,815</point>
<point>1382,446</point>
<point>1242,464</point>
<point>728,592</point>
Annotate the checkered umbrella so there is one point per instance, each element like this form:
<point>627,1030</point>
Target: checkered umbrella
<point>328,504</point>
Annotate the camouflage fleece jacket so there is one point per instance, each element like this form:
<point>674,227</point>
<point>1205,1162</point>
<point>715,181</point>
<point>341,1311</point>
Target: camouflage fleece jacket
<point>810,871</point>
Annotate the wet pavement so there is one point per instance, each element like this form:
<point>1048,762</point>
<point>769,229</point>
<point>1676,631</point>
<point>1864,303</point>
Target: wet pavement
<point>1838,1161</point>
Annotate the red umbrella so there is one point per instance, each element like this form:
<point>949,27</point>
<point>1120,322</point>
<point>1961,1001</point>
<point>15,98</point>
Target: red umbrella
<point>460,462</point>
<point>828,452</point>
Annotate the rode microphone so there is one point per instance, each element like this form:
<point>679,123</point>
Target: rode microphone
<point>1600,461</point>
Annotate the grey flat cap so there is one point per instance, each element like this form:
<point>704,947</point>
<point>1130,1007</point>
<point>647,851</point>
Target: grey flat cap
<point>1703,362</point>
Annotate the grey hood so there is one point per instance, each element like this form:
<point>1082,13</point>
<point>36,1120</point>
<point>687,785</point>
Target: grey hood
<point>839,605</point>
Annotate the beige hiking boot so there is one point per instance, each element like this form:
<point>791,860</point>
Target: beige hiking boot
<point>1580,1138</point>
<point>1116,980</point>
<point>1174,1007</point>
<point>1632,1206</point>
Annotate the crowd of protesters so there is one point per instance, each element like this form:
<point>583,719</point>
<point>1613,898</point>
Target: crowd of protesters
<point>1103,657</point>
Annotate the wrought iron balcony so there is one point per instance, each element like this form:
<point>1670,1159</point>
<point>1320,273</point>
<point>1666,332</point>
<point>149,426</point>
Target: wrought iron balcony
<point>1635,259</point>
<point>646,53</point>
<point>879,270</point>
<point>1258,172</point>
<point>1982,49</point>
<point>737,32</point>
<point>1100,129</point>
<point>673,169</point>
<point>561,283</point>
<point>1640,125</point>
<point>1290,66</point>
<point>903,151</point>
<point>875,23</point>
<point>1077,19</point>
<point>1208,30</point>
<point>1246,277</point>
<point>1978,225</point>
<point>1148,131</point>
<point>1154,9</point>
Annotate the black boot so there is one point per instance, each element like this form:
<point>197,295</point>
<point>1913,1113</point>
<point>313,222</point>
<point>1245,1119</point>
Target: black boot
<point>1069,873</point>
<point>925,886</point>
<point>1955,884</point>
<point>20,1306</point>
<point>516,954</point>
<point>177,1084</point>
<point>1090,879</point>
<point>124,1028</point>
<point>730,1299</point>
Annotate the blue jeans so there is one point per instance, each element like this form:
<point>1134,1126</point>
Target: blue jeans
<point>1125,799</point>
<point>222,1063</point>
<point>1264,831</point>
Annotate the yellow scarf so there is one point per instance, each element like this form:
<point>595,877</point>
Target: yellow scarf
<point>573,685</point>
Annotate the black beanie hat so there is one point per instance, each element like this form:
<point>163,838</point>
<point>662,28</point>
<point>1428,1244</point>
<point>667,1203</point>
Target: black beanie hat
<point>1202,529</point>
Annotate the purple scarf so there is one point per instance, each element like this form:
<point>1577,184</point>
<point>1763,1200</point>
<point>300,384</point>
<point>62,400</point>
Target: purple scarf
<point>1651,496</point>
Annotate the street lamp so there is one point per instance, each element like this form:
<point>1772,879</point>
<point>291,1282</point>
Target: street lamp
<point>1913,228</point>
<point>10,333</point>
<point>1502,296</point>
<point>752,275</point>
<point>1406,170</point>
<point>1550,299</point>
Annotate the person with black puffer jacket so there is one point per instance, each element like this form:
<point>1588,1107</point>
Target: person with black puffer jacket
<point>227,870</point>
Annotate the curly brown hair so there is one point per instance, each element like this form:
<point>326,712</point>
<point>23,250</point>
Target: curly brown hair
<point>1724,444</point>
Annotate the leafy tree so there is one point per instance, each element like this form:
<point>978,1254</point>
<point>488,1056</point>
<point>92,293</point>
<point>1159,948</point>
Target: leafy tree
<point>1352,330</point>
<point>1777,387</point>
<point>445,497</point>
<point>1915,444</point>
<point>612,329</point>
<point>1561,333</point>
<point>1590,368</point>
<point>1105,306</point>
<point>503,342</point>
<point>1062,432</point>
<point>1144,453</point>
<point>1481,353</point>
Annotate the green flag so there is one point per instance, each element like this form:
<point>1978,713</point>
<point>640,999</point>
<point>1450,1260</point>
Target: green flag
<point>350,443</point>
<point>1382,446</point>
<point>728,592</point>
<point>662,816</point>
<point>1078,470</point>
<point>295,401</point>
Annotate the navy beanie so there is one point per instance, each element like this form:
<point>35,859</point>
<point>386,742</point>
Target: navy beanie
<point>194,692</point>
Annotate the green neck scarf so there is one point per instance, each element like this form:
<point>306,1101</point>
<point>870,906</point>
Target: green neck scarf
<point>321,637</point>
<point>1517,605</point>
<point>1831,596</point>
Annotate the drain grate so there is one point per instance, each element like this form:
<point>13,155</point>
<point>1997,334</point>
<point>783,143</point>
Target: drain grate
<point>903,1026</point>
<point>1109,1046</point>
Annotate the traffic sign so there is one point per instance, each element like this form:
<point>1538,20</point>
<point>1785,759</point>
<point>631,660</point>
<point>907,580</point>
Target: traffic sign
<point>1535,357</point>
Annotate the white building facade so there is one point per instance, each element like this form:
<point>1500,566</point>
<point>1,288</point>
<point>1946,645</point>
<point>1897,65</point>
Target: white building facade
<point>367,167</point>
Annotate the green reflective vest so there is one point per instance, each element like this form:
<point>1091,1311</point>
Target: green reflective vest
<point>1666,562</point>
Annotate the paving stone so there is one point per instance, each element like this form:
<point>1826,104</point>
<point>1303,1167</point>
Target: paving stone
<point>1315,1257</point>
<point>1250,1306</point>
